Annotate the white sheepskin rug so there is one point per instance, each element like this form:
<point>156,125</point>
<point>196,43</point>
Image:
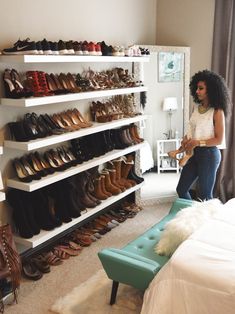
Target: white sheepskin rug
<point>93,297</point>
<point>185,223</point>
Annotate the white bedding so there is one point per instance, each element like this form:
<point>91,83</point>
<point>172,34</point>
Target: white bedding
<point>200,276</point>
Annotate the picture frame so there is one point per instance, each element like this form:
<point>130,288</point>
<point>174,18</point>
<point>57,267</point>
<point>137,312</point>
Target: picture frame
<point>170,66</point>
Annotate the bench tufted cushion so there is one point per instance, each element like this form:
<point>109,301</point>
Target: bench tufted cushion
<point>137,263</point>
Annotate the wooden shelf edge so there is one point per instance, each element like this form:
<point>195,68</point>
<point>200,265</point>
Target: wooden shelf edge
<point>46,235</point>
<point>52,178</point>
<point>55,139</point>
<point>38,101</point>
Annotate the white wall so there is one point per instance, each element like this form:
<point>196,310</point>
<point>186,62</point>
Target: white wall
<point>117,22</point>
<point>158,122</point>
<point>187,23</point>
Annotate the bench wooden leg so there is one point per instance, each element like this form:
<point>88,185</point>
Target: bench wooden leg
<point>114,292</point>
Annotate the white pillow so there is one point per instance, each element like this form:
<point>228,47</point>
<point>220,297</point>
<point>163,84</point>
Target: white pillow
<point>186,221</point>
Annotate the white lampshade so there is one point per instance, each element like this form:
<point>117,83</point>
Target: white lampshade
<point>169,104</point>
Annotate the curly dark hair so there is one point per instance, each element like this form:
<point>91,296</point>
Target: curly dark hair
<point>217,90</point>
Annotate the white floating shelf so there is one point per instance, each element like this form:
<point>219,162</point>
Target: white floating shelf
<point>1,150</point>
<point>37,101</point>
<point>52,178</point>
<point>68,58</point>
<point>54,139</point>
<point>47,235</point>
<point>2,196</point>
<point>168,168</point>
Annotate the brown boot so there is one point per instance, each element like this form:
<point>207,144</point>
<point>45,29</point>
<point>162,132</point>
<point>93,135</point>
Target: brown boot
<point>98,190</point>
<point>118,167</point>
<point>113,177</point>
<point>127,164</point>
<point>103,186</point>
<point>136,133</point>
<point>132,131</point>
<point>108,184</point>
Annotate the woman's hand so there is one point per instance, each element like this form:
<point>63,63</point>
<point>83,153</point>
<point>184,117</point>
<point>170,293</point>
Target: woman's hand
<point>190,144</point>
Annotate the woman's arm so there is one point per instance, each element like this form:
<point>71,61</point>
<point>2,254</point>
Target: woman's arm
<point>219,129</point>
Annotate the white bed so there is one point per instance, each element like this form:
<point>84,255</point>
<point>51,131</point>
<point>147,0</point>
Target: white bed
<point>200,276</point>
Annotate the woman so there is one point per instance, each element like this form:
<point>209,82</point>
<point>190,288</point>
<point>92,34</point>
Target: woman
<point>207,128</point>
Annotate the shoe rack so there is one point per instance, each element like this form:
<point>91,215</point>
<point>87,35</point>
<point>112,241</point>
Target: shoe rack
<point>21,60</point>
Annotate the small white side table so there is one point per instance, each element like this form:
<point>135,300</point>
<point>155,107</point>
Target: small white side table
<point>164,162</point>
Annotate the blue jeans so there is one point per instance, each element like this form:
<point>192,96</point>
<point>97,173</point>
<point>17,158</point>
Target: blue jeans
<point>201,167</point>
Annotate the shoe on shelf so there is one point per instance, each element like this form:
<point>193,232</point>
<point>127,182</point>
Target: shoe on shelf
<point>46,48</point>
<point>91,49</point>
<point>22,47</point>
<point>98,49</point>
<point>69,47</point>
<point>39,47</point>
<point>62,48</point>
<point>85,48</point>
<point>54,47</point>
<point>77,46</point>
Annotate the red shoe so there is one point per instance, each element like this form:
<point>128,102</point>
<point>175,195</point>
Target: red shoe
<point>91,49</point>
<point>98,49</point>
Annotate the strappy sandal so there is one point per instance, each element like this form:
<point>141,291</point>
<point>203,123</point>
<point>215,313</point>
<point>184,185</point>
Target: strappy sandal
<point>52,259</point>
<point>117,216</point>
<point>41,264</point>
<point>60,253</point>
<point>81,239</point>
<point>73,245</point>
<point>68,250</point>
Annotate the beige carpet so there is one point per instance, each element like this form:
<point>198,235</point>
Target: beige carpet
<point>93,297</point>
<point>39,296</point>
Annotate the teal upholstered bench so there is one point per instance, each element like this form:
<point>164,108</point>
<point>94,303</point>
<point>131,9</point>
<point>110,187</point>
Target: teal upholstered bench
<point>136,264</point>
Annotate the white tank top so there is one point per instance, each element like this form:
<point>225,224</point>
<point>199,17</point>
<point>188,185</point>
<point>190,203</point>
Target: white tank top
<point>201,126</point>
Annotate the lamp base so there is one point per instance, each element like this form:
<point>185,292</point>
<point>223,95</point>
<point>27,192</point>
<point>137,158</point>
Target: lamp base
<point>170,135</point>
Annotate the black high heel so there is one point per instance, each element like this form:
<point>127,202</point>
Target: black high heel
<point>17,131</point>
<point>19,84</point>
<point>21,172</point>
<point>36,165</point>
<point>25,164</point>
<point>45,165</point>
<point>54,128</point>
<point>67,156</point>
<point>55,161</point>
<point>11,90</point>
<point>30,128</point>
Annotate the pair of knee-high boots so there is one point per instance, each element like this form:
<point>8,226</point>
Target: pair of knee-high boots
<point>116,178</point>
<point>30,212</point>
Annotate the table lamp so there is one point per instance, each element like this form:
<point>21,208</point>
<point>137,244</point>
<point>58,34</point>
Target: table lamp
<point>169,105</point>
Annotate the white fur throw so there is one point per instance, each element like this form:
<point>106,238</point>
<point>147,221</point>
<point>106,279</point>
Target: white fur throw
<point>186,221</point>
